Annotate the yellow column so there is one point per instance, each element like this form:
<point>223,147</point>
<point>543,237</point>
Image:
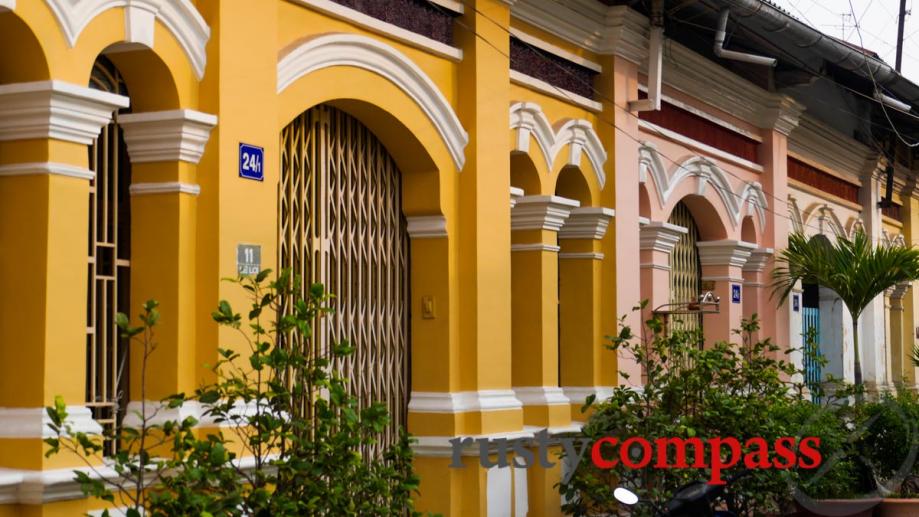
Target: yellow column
<point>899,355</point>
<point>910,218</point>
<point>164,149</point>
<point>587,368</point>
<point>44,194</point>
<point>482,402</point>
<point>535,221</point>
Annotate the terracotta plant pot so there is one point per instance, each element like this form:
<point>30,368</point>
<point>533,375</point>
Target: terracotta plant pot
<point>898,508</point>
<point>840,508</point>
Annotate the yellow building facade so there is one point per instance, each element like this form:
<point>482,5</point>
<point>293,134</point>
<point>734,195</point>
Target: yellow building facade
<point>499,201</point>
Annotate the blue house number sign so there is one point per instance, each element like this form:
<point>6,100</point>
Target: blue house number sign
<point>735,293</point>
<point>251,162</point>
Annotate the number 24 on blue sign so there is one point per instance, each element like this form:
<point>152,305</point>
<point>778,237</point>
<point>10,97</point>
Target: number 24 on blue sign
<point>251,162</point>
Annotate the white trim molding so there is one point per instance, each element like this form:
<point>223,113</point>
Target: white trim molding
<point>55,109</point>
<point>541,212</point>
<point>395,32</point>
<point>180,17</point>
<point>660,236</point>
<point>589,222</point>
<point>463,401</point>
<point>440,446</point>
<point>541,396</point>
<point>535,246</point>
<point>53,168</point>
<point>7,5</point>
<point>579,394</point>
<point>578,135</point>
<point>516,193</point>
<point>528,81</point>
<point>758,259</point>
<point>426,226</point>
<point>167,136</point>
<point>590,25</point>
<point>698,146</point>
<point>25,423</point>
<point>836,153</point>
<point>582,255</point>
<point>159,413</point>
<point>164,187</point>
<point>749,199</point>
<point>725,252</point>
<point>372,55</point>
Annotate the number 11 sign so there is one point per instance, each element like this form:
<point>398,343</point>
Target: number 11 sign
<point>251,162</point>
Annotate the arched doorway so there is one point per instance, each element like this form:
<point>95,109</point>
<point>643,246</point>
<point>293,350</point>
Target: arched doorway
<point>109,262</point>
<point>341,223</point>
<point>685,269</point>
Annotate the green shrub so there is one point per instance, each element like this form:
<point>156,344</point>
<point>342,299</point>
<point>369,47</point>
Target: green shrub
<point>301,434</point>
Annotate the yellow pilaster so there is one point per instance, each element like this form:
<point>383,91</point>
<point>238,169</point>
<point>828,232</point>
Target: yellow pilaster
<point>44,195</point>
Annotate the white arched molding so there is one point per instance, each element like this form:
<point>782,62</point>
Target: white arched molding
<point>749,199</point>
<point>892,241</point>
<point>179,16</point>
<point>821,219</point>
<point>578,135</point>
<point>7,5</point>
<point>367,53</point>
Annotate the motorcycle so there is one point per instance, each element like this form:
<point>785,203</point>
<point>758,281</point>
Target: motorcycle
<point>695,499</point>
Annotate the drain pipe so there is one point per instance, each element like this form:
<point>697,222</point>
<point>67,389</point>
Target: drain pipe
<point>655,55</point>
<point>721,52</point>
<point>891,102</point>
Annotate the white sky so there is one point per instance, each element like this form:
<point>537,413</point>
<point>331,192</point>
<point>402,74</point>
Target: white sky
<point>877,20</point>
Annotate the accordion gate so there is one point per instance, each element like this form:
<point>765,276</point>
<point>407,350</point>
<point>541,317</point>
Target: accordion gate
<point>341,223</point>
<point>685,269</point>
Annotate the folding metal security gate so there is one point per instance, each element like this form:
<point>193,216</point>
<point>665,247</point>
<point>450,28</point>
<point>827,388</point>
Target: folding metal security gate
<point>341,224</point>
<point>109,263</point>
<point>685,270</point>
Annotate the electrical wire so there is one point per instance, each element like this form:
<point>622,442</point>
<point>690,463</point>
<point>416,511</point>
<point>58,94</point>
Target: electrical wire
<point>877,89</point>
<point>565,94</point>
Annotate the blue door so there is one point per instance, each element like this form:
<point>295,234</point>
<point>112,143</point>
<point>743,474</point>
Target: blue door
<point>810,317</point>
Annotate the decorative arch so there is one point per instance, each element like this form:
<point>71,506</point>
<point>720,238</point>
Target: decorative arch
<point>369,54</point>
<point>179,16</point>
<point>578,135</point>
<point>891,241</point>
<point>748,200</point>
<point>821,219</point>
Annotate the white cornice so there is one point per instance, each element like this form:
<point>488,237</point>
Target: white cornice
<point>180,17</point>
<point>758,259</point>
<point>462,402</point>
<point>711,83</point>
<point>581,255</point>
<point>535,246</point>
<point>589,24</point>
<point>58,169</point>
<point>843,156</point>
<point>516,193</point>
<point>164,187</point>
<point>587,223</point>
<point>426,226</point>
<point>541,212</point>
<point>167,136</point>
<point>660,236</point>
<point>25,423</point>
<point>372,55</point>
<point>55,109</point>
<point>541,396</point>
<point>726,252</point>
<point>561,94</point>
<point>337,10</point>
<point>577,135</point>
